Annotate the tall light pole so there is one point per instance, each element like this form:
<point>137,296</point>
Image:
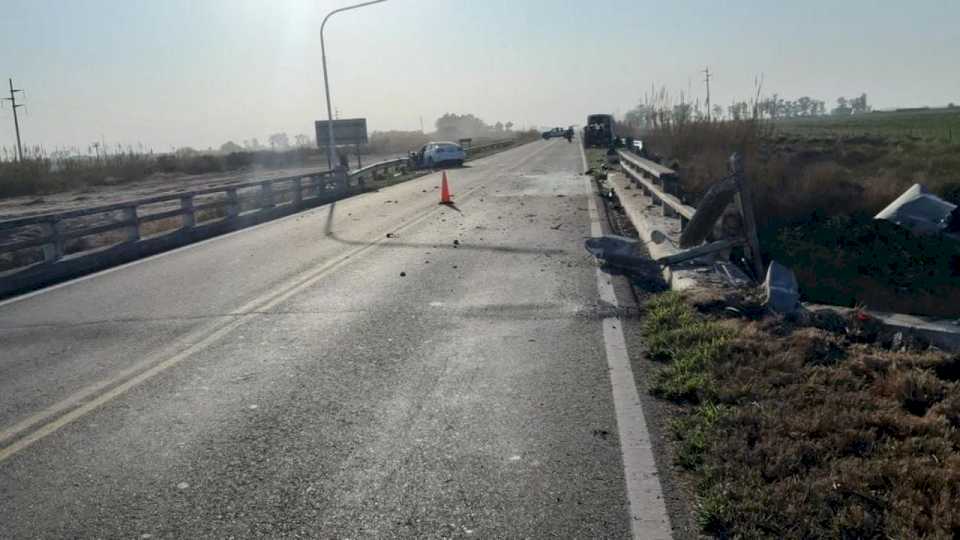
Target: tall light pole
<point>326,82</point>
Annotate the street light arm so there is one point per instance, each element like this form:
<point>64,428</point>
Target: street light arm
<point>326,83</point>
<point>347,8</point>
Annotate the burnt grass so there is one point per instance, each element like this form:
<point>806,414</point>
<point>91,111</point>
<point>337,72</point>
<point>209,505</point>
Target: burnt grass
<point>811,428</point>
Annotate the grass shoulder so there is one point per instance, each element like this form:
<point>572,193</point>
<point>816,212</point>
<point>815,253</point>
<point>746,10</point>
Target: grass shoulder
<point>802,429</point>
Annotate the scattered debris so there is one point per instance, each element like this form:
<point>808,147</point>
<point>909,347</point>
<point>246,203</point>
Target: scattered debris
<point>617,250</point>
<point>403,274</point>
<point>557,226</point>
<point>922,212</point>
<point>782,291</point>
<point>456,242</point>
<point>393,235</point>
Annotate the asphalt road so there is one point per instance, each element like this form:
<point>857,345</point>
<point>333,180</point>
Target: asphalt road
<point>313,377</point>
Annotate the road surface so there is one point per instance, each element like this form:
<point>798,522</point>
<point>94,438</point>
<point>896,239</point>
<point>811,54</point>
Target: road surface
<point>317,377</point>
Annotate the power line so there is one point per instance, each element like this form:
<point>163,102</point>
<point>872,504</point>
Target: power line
<point>16,122</point>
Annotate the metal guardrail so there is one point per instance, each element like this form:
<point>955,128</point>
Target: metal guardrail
<point>52,232</point>
<point>490,146</point>
<point>659,183</point>
<point>55,235</point>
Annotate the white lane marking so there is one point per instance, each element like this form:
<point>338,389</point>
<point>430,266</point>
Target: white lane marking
<point>77,404</point>
<point>648,512</point>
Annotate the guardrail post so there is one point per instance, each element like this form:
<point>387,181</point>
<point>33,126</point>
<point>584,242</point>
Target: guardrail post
<point>745,202</point>
<point>297,192</point>
<point>669,185</point>
<point>653,196</point>
<point>53,251</point>
<point>266,194</point>
<point>342,180</point>
<point>233,204</point>
<point>133,229</point>
<point>189,219</point>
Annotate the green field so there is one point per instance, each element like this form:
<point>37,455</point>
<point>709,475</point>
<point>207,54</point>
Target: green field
<point>941,124</point>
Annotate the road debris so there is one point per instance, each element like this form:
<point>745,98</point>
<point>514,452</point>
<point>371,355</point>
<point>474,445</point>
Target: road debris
<point>782,291</point>
<point>403,274</point>
<point>393,235</point>
<point>922,212</point>
<point>616,250</point>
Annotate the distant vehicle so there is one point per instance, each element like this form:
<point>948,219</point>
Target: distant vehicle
<point>437,153</point>
<point>555,132</point>
<point>599,131</point>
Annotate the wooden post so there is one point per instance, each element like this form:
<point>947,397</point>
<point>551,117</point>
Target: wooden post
<point>186,204</point>
<point>745,204</point>
<point>266,194</point>
<point>133,229</point>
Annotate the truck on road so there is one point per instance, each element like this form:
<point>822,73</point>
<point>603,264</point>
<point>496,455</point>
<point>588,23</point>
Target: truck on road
<point>599,131</point>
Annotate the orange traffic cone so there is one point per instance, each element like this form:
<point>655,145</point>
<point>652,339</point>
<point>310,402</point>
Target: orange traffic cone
<point>445,197</point>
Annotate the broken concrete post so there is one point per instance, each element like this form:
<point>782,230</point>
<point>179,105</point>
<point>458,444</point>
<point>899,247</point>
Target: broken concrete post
<point>782,291</point>
<point>708,211</point>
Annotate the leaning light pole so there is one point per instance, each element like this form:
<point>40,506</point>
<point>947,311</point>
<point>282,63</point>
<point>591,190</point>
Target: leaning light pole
<point>326,82</point>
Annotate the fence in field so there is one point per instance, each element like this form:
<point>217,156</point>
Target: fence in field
<point>40,249</point>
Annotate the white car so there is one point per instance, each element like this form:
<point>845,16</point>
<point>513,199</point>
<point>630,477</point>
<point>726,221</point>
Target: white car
<point>435,153</point>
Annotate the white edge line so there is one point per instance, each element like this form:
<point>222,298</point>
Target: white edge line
<point>648,512</point>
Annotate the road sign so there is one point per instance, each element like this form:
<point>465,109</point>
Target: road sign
<point>346,131</point>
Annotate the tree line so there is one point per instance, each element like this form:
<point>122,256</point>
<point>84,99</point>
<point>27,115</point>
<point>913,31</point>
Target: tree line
<point>658,110</point>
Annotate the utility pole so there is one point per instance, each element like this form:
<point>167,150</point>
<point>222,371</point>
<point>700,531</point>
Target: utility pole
<point>706,79</point>
<point>16,123</point>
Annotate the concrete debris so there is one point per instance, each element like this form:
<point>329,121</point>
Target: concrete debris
<point>922,212</point>
<point>781,288</point>
<point>393,235</point>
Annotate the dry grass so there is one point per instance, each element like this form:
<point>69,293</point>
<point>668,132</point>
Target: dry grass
<point>801,184</point>
<point>800,432</point>
<point>794,177</point>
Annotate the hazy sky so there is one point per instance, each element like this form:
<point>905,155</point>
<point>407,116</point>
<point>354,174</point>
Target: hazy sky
<point>199,72</point>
